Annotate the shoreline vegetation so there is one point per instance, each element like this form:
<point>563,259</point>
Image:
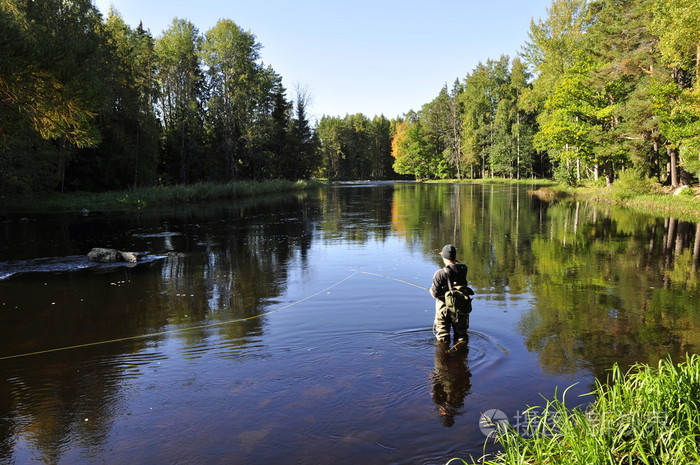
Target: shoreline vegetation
<point>683,203</point>
<point>647,415</point>
<point>644,196</point>
<point>140,198</point>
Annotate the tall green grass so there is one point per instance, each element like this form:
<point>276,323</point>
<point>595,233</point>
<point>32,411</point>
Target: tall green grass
<point>644,416</point>
<point>139,198</point>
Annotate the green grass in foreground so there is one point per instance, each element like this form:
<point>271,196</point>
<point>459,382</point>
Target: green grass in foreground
<point>136,199</point>
<point>645,416</point>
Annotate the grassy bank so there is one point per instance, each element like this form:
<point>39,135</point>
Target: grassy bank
<point>648,415</point>
<point>684,205</point>
<point>636,194</point>
<point>525,181</point>
<point>136,199</point>
<point>630,192</point>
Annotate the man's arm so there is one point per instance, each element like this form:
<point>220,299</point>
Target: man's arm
<point>436,289</point>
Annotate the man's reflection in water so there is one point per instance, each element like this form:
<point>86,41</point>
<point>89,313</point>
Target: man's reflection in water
<point>451,380</point>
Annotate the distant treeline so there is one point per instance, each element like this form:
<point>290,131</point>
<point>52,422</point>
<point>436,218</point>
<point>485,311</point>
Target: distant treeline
<point>601,87</point>
<point>89,103</point>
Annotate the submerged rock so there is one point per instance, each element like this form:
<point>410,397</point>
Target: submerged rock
<point>102,255</point>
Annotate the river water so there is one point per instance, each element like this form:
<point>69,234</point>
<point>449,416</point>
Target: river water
<point>296,329</point>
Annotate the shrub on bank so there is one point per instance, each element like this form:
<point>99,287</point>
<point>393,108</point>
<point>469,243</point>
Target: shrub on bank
<point>631,184</point>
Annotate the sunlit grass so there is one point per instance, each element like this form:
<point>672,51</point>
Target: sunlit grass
<point>652,200</point>
<point>684,206</point>
<point>524,181</point>
<point>139,198</point>
<point>644,416</point>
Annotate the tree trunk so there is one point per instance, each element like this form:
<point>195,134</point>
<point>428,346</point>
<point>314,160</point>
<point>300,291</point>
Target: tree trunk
<point>182,155</point>
<point>517,165</point>
<point>609,175</point>
<point>696,248</point>
<point>657,167</point>
<point>578,169</point>
<point>673,156</point>
<point>136,159</point>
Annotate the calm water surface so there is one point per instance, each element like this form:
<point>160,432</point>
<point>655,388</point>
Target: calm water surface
<point>297,329</point>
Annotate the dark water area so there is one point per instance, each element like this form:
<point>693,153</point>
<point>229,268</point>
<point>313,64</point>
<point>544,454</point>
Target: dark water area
<point>297,329</point>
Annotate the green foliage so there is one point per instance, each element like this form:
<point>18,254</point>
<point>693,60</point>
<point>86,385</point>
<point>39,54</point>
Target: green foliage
<point>485,87</point>
<point>93,104</point>
<point>690,160</point>
<point>632,183</point>
<point>96,104</point>
<point>29,165</point>
<point>180,78</point>
<point>476,129</point>
<point>301,142</point>
<point>565,173</point>
<point>128,155</point>
<point>687,192</point>
<point>412,151</point>
<point>246,109</point>
<point>596,73</point>
<point>646,415</point>
<point>355,147</point>
<point>48,73</point>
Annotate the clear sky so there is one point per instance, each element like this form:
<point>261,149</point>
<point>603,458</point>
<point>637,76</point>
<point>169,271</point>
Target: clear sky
<point>362,56</point>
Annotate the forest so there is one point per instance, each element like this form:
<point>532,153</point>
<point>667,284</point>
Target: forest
<point>90,103</point>
<point>600,88</point>
<point>93,104</point>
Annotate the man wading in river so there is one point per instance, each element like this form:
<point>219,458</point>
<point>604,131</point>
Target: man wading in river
<point>446,281</point>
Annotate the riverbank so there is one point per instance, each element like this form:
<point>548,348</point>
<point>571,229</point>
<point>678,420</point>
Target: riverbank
<point>140,198</point>
<point>644,416</point>
<point>524,181</point>
<point>683,204</point>
<point>642,196</point>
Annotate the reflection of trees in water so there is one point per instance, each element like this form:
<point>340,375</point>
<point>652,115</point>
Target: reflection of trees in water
<point>53,401</point>
<point>244,265</point>
<point>612,286</point>
<point>229,264</point>
<point>491,226</point>
<point>357,214</point>
<point>609,285</point>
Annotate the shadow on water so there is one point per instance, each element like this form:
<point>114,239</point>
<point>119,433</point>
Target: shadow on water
<point>200,368</point>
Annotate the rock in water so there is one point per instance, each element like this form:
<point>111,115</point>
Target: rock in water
<point>99,254</point>
<point>130,257</point>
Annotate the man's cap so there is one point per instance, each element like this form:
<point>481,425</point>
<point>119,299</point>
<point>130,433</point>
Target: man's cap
<point>449,252</point>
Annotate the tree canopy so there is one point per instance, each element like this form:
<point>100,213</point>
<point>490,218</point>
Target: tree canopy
<point>600,87</point>
<point>91,103</point>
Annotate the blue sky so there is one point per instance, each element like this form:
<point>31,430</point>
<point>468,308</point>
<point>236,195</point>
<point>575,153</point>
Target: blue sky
<point>373,57</point>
